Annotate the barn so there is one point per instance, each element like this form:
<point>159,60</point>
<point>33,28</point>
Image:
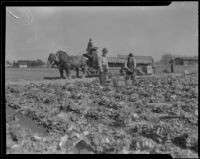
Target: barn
<point>186,60</point>
<point>120,60</point>
<point>23,63</point>
<point>141,61</point>
<point>113,62</point>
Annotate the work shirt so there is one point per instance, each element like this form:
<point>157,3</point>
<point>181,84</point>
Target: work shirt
<point>103,61</point>
<point>130,63</point>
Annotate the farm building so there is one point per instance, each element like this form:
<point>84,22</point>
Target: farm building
<point>120,60</point>
<point>186,60</point>
<point>113,62</point>
<point>145,62</point>
<point>23,63</point>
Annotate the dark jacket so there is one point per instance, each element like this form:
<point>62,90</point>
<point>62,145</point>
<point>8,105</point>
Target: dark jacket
<point>130,63</point>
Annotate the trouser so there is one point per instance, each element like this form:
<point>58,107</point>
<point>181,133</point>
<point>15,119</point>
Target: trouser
<point>131,75</point>
<point>172,68</point>
<point>103,75</point>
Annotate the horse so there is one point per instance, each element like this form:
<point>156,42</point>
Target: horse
<point>66,62</point>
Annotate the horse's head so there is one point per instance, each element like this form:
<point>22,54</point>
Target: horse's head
<point>51,59</point>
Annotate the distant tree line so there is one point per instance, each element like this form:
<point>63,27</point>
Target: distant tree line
<point>15,64</point>
<point>38,62</point>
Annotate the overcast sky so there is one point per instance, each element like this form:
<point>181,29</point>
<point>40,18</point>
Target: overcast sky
<point>150,31</point>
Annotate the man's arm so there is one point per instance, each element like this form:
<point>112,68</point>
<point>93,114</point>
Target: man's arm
<point>107,66</point>
<point>125,64</point>
<point>134,62</point>
<point>100,64</point>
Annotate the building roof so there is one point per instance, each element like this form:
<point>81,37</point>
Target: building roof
<point>19,61</point>
<point>22,62</point>
<point>139,59</point>
<point>112,59</point>
<point>188,58</point>
<point>136,57</point>
<point>121,60</point>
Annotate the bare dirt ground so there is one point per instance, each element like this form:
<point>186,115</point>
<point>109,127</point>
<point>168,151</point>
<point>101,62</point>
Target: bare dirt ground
<point>157,115</point>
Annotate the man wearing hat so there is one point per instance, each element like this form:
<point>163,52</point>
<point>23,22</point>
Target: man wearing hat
<point>130,65</point>
<point>103,66</point>
<point>89,46</point>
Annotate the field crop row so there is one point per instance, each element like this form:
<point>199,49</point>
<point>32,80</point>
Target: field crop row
<point>157,115</point>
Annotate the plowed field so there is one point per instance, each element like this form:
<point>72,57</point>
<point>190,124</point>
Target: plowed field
<point>156,115</point>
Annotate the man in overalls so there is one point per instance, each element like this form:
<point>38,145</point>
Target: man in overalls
<point>130,65</point>
<point>103,66</point>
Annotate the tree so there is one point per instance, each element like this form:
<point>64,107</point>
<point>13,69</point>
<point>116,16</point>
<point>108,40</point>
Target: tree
<point>40,62</point>
<point>195,57</point>
<point>15,64</point>
<point>33,63</point>
<point>8,62</point>
<point>165,59</point>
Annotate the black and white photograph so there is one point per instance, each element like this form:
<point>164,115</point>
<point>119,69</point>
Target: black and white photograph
<point>102,79</point>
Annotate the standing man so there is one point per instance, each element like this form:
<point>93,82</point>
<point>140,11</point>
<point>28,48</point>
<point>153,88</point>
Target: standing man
<point>90,46</point>
<point>103,66</point>
<point>130,66</point>
<point>172,65</point>
<point>154,68</point>
<point>88,53</point>
<point>92,59</point>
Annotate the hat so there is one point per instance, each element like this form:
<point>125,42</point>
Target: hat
<point>94,48</point>
<point>131,54</point>
<point>104,50</point>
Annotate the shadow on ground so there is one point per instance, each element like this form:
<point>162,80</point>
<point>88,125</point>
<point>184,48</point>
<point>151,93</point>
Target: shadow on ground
<point>55,78</point>
<point>52,78</point>
<point>73,77</point>
<point>91,76</point>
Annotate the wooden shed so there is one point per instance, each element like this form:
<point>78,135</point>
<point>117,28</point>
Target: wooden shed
<point>23,63</point>
<point>114,62</point>
<point>144,60</point>
<point>141,61</point>
<point>120,60</point>
<point>186,60</point>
